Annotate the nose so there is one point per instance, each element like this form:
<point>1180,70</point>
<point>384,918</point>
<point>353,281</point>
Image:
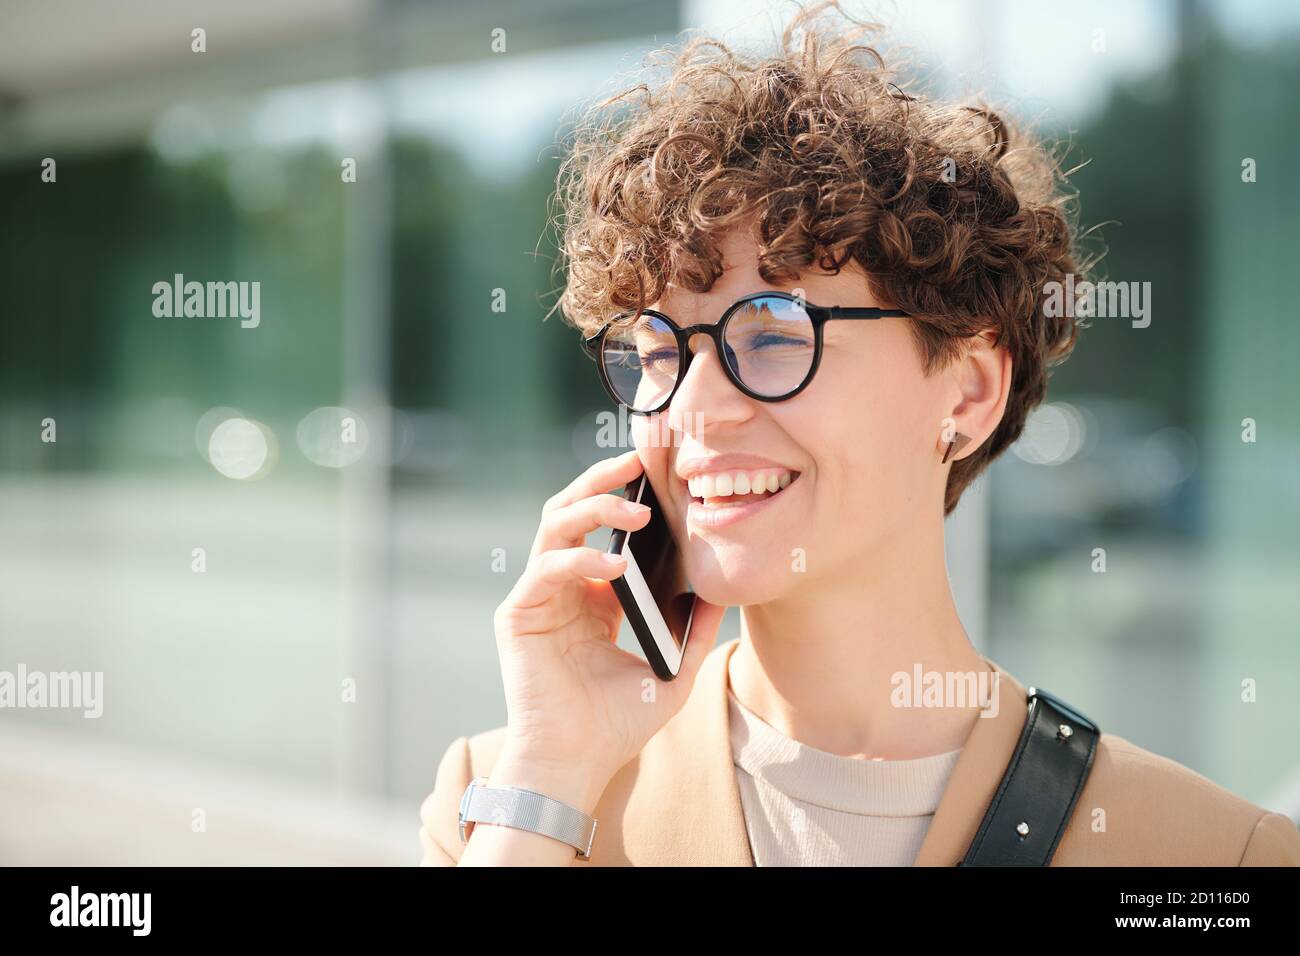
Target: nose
<point>705,396</point>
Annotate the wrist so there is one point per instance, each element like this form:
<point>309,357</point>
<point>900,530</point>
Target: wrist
<point>577,784</point>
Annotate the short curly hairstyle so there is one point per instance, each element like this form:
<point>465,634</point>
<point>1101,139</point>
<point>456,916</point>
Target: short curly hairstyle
<point>955,215</point>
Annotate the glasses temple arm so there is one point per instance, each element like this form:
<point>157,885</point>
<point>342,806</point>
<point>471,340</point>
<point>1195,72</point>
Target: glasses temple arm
<point>861,312</point>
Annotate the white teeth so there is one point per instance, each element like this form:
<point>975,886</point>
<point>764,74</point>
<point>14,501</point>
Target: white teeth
<point>726,484</point>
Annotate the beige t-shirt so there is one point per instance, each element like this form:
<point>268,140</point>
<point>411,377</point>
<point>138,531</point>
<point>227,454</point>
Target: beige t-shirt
<point>808,807</point>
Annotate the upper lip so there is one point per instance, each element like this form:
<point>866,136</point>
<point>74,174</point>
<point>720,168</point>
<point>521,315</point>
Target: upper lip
<point>688,468</point>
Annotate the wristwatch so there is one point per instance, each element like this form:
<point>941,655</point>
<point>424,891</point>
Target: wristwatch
<point>525,810</point>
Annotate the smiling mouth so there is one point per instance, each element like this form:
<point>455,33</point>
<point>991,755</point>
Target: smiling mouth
<point>734,488</point>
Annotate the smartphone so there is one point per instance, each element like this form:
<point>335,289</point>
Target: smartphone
<point>654,592</point>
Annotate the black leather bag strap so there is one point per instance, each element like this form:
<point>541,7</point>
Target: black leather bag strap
<point>1036,797</point>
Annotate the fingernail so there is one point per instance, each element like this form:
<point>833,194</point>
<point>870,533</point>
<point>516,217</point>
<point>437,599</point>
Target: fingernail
<point>615,559</point>
<point>635,507</point>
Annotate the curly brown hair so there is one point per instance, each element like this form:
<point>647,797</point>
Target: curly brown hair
<point>955,215</point>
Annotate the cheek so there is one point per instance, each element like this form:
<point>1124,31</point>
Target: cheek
<point>652,439</point>
<point>873,453</point>
<point>650,431</point>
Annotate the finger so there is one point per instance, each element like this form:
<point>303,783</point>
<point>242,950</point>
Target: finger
<point>568,526</point>
<point>550,571</point>
<point>603,476</point>
<point>604,606</point>
<point>588,606</point>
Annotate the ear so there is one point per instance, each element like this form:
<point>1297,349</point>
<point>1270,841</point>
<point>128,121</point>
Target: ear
<point>980,381</point>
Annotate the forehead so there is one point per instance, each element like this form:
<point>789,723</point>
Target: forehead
<point>740,277</point>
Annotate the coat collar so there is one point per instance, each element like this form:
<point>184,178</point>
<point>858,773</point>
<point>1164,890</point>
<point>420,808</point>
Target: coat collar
<point>679,803</point>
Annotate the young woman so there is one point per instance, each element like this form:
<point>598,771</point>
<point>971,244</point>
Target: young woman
<point>814,499</point>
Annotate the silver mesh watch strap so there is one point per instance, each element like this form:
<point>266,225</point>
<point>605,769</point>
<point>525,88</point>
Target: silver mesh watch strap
<point>526,810</point>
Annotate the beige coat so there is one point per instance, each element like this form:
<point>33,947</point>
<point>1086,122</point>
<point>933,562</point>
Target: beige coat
<point>678,802</point>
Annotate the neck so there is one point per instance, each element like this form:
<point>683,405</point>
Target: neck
<point>817,664</point>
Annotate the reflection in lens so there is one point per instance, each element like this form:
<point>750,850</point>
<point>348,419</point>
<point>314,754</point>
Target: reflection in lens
<point>642,362</point>
<point>770,345</point>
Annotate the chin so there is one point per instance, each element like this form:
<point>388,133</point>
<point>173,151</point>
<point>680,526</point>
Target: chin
<point>737,583</point>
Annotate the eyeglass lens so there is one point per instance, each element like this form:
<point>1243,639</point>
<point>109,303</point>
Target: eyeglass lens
<point>769,344</point>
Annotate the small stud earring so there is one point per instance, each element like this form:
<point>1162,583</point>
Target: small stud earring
<point>957,444</point>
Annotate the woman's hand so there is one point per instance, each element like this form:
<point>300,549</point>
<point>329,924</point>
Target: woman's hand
<point>579,707</point>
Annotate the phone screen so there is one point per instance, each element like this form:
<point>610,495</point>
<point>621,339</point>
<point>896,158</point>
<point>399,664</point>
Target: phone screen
<point>660,560</point>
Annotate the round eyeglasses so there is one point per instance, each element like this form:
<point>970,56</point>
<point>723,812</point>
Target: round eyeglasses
<point>771,343</point>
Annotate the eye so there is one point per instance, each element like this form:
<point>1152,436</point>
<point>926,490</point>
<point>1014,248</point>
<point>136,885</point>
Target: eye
<point>661,356</point>
<point>776,339</point>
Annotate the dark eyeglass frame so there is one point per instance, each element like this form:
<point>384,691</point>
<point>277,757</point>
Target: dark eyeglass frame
<point>819,315</point>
